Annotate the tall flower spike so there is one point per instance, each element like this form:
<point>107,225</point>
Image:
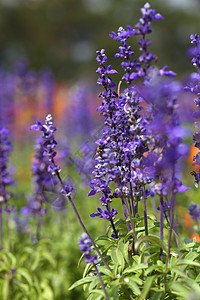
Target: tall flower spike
<point>194,87</point>
<point>41,180</point>
<point>49,143</point>
<point>5,180</point>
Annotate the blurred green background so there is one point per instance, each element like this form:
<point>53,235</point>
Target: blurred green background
<point>63,35</point>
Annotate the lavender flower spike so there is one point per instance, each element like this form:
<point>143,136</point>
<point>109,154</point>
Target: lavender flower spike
<point>85,247</point>
<point>49,143</point>
<point>49,146</point>
<point>5,180</point>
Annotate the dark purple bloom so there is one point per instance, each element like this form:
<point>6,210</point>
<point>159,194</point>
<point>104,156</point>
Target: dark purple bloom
<point>67,190</point>
<point>109,215</point>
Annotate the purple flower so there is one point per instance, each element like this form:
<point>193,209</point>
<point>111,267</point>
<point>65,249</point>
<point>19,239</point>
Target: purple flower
<point>85,247</point>
<point>49,143</point>
<point>67,190</point>
<point>193,211</point>
<point>109,215</point>
<point>5,149</point>
<point>194,87</point>
<point>42,181</point>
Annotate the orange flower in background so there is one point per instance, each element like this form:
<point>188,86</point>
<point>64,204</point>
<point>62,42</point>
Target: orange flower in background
<point>188,221</point>
<point>195,235</point>
<point>193,152</point>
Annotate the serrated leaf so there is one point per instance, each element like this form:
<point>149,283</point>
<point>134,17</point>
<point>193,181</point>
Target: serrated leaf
<point>147,286</point>
<point>117,257</point>
<point>81,282</point>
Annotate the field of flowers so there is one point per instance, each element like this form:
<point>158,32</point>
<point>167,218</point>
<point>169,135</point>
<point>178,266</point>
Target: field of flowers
<point>99,188</point>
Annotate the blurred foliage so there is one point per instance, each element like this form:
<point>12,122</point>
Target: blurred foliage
<point>64,34</point>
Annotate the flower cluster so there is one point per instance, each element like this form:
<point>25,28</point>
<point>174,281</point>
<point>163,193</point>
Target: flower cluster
<point>42,179</point>
<point>193,211</point>
<point>194,88</point>
<point>139,148</point>
<point>49,143</point>
<point>5,180</point>
<point>85,247</point>
<point>125,52</point>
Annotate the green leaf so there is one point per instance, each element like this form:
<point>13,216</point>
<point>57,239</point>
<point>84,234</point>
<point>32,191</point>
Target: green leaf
<point>105,271</point>
<point>135,269</point>
<point>198,278</point>
<point>132,285</point>
<point>188,262</point>
<point>25,274</point>
<point>12,259</point>
<point>36,261</point>
<point>47,293</point>
<point>191,255</point>
<point>81,282</point>
<point>147,286</point>
<point>156,267</point>
<point>93,284</point>
<point>152,239</point>
<point>179,289</point>
<point>94,297</point>
<point>157,296</point>
<point>5,289</point>
<point>99,292</point>
<point>125,252</point>
<point>81,259</point>
<point>188,241</point>
<point>47,256</point>
<point>88,267</point>
<point>117,257</point>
